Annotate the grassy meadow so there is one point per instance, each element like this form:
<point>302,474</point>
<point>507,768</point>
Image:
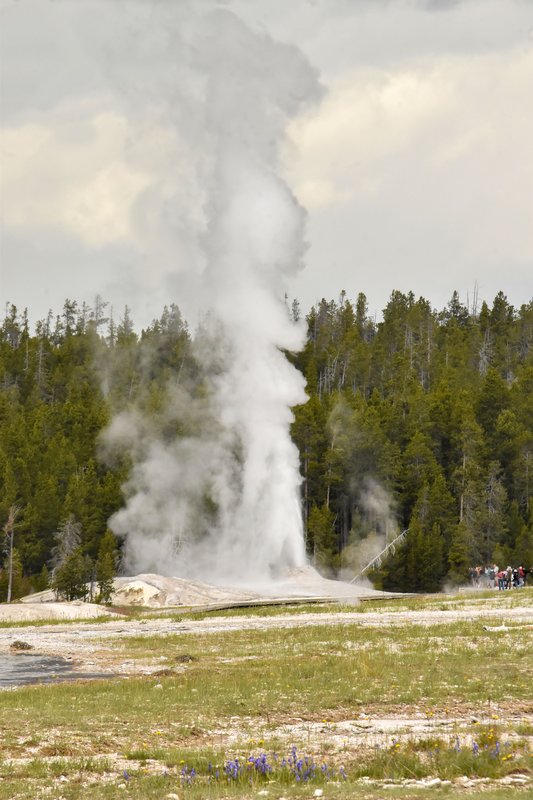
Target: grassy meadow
<point>288,713</point>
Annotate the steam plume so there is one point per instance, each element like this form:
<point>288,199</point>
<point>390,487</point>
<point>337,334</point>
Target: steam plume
<point>240,456</point>
<point>377,525</point>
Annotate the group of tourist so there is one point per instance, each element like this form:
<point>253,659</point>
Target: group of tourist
<point>508,578</point>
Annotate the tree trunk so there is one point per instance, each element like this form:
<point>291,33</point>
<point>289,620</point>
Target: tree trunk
<point>462,499</point>
<point>9,530</point>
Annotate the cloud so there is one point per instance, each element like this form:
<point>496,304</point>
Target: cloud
<point>419,178</point>
<point>418,159</point>
<point>366,118</point>
<point>70,173</point>
<point>434,115</point>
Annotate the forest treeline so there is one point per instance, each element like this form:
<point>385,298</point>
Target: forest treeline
<point>422,421</point>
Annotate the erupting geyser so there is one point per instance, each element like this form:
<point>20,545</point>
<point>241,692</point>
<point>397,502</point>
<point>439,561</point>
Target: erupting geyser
<point>223,504</point>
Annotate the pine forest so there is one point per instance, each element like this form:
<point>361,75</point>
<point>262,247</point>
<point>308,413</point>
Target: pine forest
<point>420,422</point>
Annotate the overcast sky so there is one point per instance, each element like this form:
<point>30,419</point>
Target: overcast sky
<point>416,168</point>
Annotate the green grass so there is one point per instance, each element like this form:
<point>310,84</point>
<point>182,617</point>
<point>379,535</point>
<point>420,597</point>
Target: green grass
<point>40,623</point>
<point>254,683</point>
<point>260,673</point>
<point>326,667</point>
<point>458,600</point>
<point>202,775</point>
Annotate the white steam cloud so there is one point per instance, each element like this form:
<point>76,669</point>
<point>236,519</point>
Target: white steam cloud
<point>377,527</point>
<point>223,502</point>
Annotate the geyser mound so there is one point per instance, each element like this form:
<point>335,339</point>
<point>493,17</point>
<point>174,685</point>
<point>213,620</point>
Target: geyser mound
<point>299,583</point>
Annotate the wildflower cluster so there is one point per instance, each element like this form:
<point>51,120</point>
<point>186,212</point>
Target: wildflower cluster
<point>301,769</point>
<point>294,768</point>
<point>492,747</point>
<point>253,766</point>
<point>187,775</point>
<point>486,745</point>
<point>484,756</point>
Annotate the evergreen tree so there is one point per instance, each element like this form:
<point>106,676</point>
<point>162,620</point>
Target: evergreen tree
<point>322,536</point>
<point>460,554</point>
<point>70,578</point>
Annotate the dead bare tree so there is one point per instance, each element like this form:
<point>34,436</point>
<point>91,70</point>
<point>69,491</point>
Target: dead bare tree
<point>9,530</point>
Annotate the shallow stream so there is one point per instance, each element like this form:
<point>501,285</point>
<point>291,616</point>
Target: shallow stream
<point>21,669</point>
